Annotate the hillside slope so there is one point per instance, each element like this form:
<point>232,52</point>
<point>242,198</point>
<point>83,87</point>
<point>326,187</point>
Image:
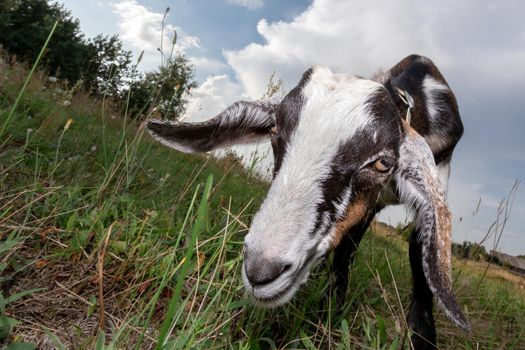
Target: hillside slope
<point>96,225</point>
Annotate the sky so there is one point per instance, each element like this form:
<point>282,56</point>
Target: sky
<point>236,45</point>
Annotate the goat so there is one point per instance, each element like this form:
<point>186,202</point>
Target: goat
<point>343,150</point>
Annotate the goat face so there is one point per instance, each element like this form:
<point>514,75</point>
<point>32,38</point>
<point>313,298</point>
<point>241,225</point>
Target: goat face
<point>335,142</point>
<point>338,140</point>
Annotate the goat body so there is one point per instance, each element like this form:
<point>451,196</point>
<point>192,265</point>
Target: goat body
<point>343,152</point>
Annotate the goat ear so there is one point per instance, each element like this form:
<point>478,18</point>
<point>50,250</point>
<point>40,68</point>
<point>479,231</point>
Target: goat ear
<point>420,188</point>
<point>435,113</point>
<point>243,122</point>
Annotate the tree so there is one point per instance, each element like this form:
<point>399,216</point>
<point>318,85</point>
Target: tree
<point>25,25</point>
<point>109,68</point>
<point>163,91</point>
<point>101,64</point>
<point>470,251</point>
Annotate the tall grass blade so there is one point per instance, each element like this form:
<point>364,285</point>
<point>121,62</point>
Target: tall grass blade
<point>101,340</point>
<point>197,228</point>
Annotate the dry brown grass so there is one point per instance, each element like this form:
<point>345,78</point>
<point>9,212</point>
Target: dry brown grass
<point>494,272</point>
<point>64,306</point>
<point>476,268</point>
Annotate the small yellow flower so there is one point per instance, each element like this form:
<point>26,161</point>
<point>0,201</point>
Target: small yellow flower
<point>68,123</point>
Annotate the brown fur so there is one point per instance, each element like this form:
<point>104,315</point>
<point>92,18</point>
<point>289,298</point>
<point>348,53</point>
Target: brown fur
<point>444,229</point>
<point>443,218</point>
<point>354,214</point>
<point>409,129</point>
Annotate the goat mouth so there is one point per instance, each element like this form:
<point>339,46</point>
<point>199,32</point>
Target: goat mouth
<point>285,294</point>
<point>275,300</point>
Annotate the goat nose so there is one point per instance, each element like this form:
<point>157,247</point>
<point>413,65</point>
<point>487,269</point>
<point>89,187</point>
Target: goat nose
<point>261,271</point>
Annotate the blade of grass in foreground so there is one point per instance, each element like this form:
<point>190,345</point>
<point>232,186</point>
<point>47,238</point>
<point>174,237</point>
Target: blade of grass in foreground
<point>197,228</point>
<point>167,274</point>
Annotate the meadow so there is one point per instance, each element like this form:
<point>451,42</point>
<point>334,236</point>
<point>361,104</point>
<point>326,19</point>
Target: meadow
<point>109,240</point>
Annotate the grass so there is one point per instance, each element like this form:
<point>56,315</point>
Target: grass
<point>109,240</point>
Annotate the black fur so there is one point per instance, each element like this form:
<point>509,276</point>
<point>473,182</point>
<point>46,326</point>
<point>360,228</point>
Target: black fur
<point>409,75</point>
<point>420,318</point>
<point>344,256</point>
<point>215,133</point>
<point>360,147</point>
<point>286,119</point>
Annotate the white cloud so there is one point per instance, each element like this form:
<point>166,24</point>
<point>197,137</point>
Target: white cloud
<point>212,96</point>
<point>251,4</point>
<point>142,29</point>
<point>486,46</point>
<point>209,65</point>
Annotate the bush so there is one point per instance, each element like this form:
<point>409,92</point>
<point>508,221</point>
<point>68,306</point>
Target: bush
<point>163,92</point>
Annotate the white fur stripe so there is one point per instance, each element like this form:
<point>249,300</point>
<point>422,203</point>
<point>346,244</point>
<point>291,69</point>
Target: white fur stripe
<point>432,88</point>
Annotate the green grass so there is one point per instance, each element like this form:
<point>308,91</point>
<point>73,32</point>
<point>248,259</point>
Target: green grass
<point>118,242</point>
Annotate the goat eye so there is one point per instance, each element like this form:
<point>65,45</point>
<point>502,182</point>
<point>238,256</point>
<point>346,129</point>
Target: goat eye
<point>383,165</point>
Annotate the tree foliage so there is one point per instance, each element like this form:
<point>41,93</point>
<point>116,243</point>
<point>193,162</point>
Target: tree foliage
<point>109,67</point>
<point>100,64</point>
<point>25,25</point>
<point>469,251</point>
<point>163,91</point>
